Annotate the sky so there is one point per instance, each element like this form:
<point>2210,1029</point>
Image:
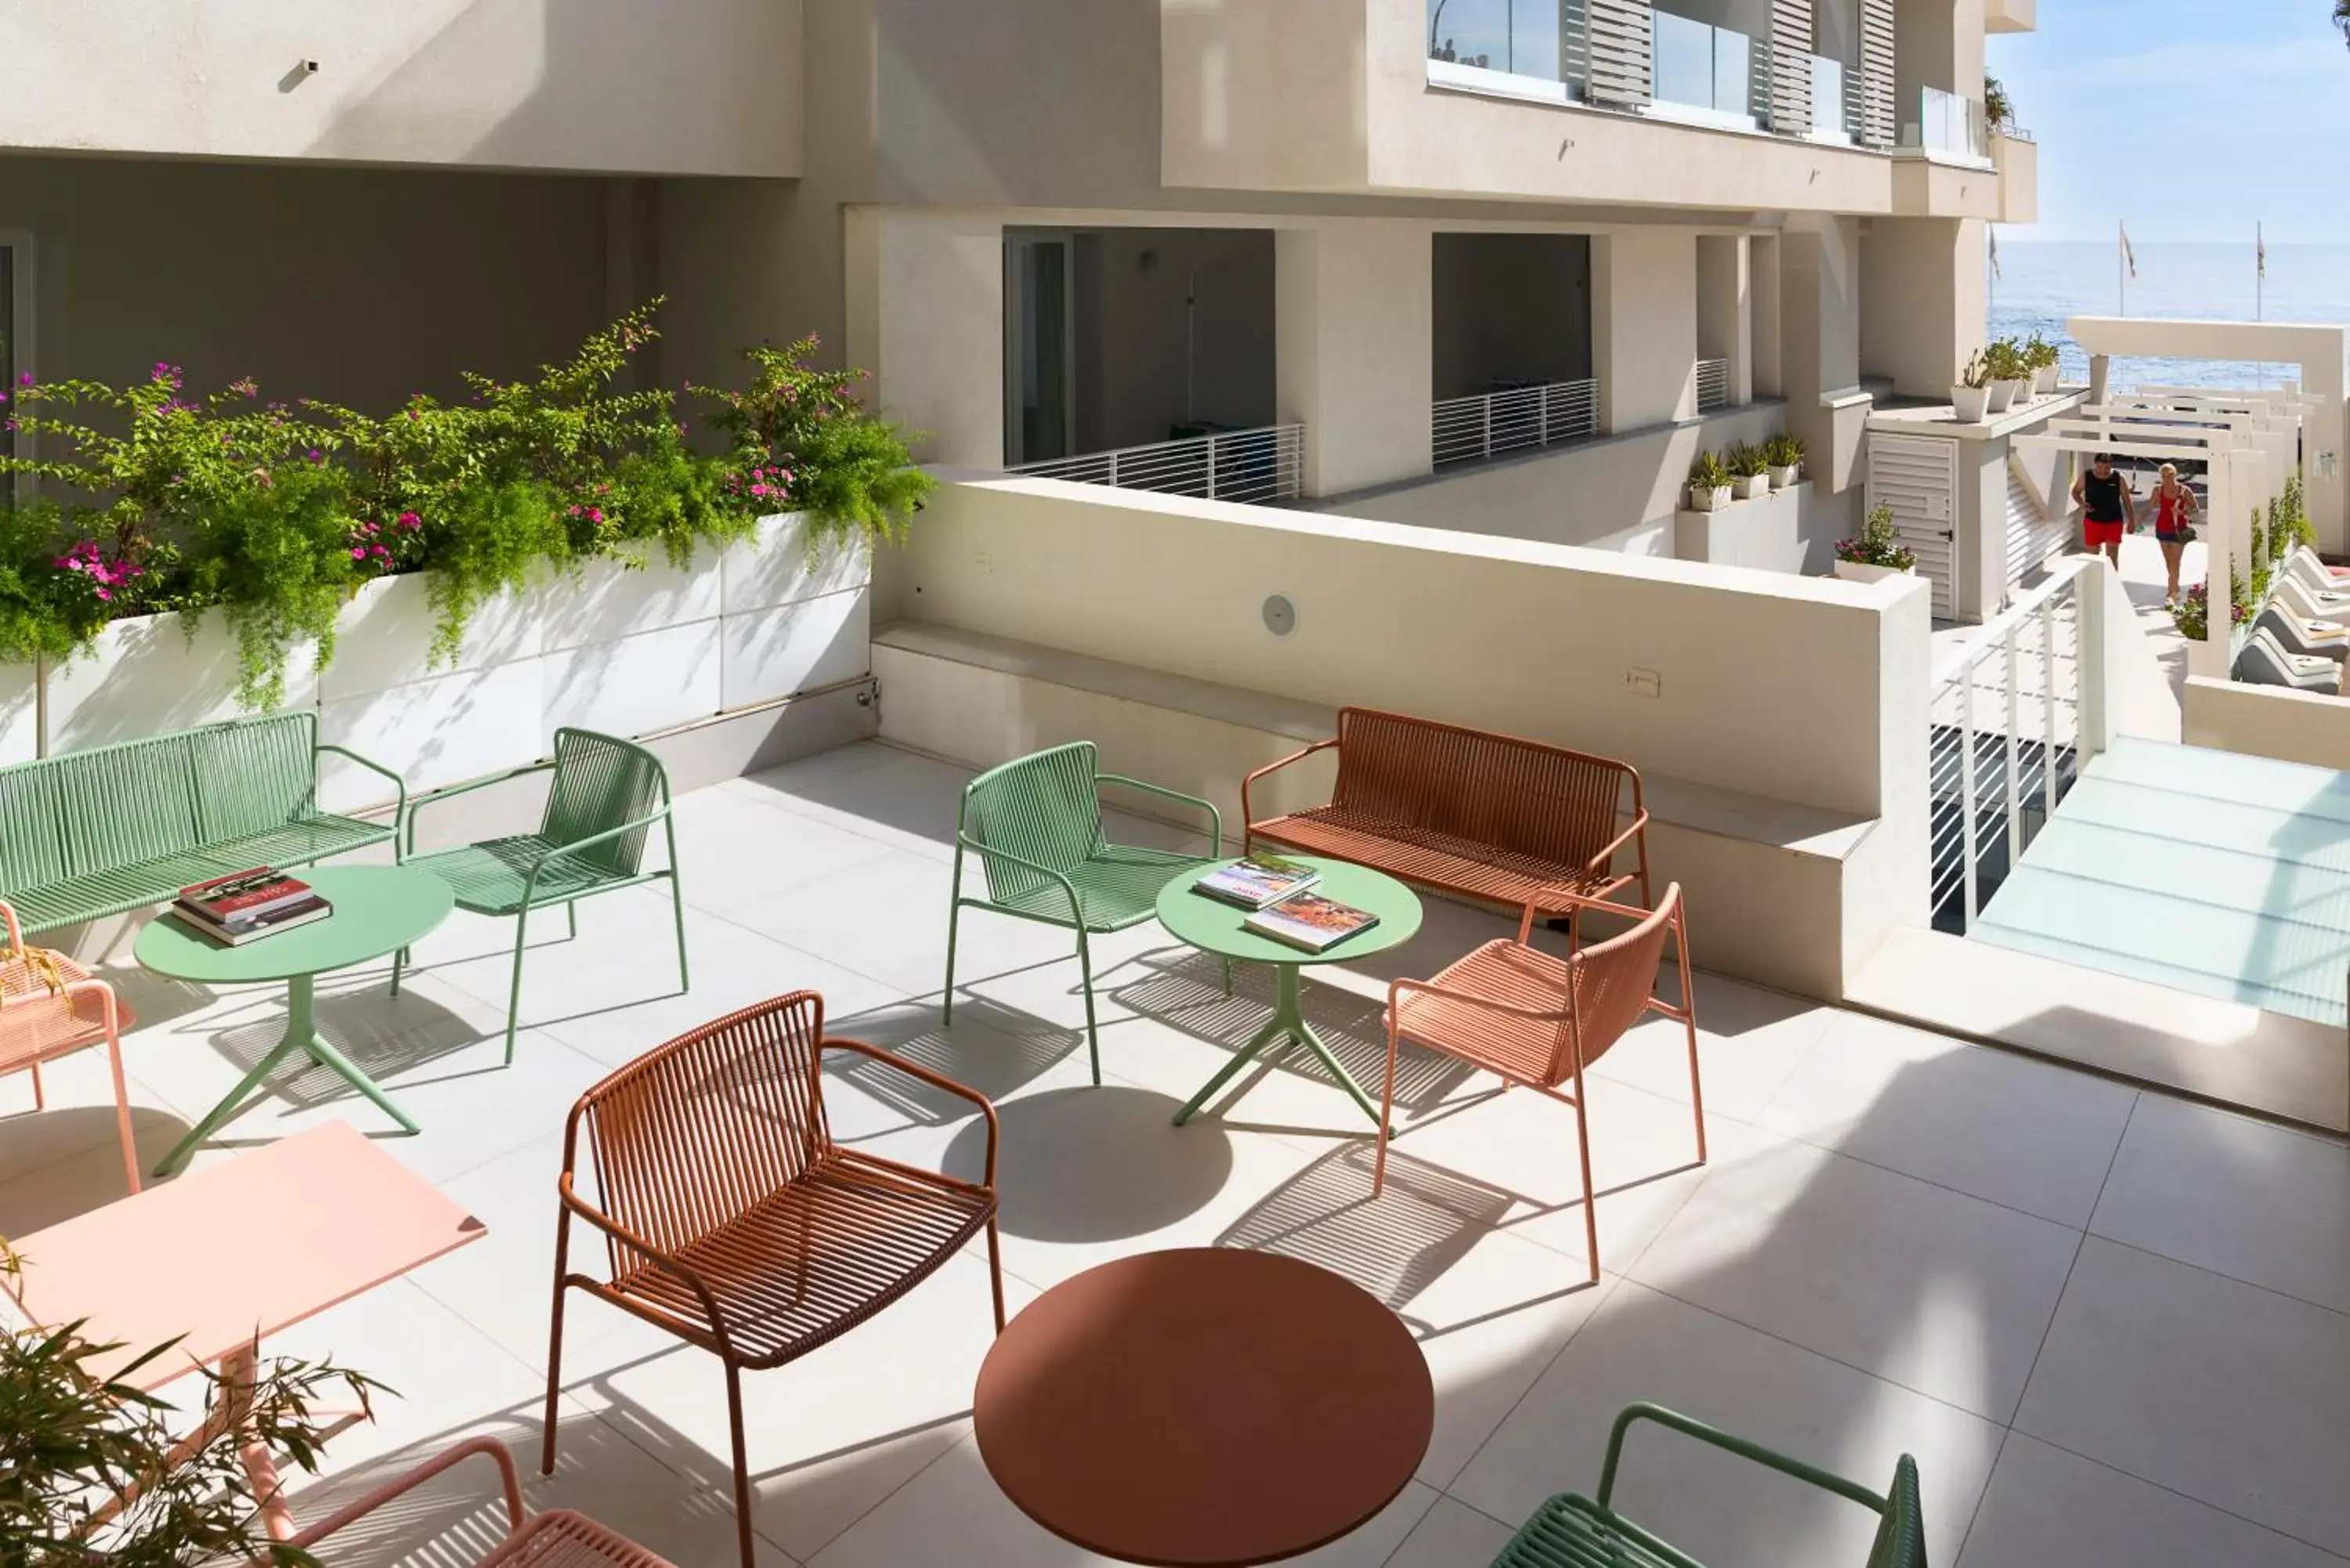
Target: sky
<point>2192,119</point>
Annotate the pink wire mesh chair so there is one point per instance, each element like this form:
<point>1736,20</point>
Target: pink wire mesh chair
<point>50,1007</point>
<point>555,1539</point>
<point>1534,1019</point>
<point>734,1220</point>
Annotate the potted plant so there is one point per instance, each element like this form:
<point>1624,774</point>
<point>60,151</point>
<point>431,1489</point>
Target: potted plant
<point>2042,356</point>
<point>1971,398</point>
<point>1785,453</point>
<point>1709,483</point>
<point>2004,365</point>
<point>1750,471</point>
<point>80,1436</point>
<point>1877,551</point>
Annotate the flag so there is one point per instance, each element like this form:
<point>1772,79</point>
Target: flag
<point>1994,253</point>
<point>2129,256</point>
<point>2260,239</point>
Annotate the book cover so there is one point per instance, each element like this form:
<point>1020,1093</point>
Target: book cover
<point>1310,921</point>
<point>311,908</point>
<point>1255,882</point>
<point>244,894</point>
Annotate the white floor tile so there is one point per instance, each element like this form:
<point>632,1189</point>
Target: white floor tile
<point>2256,1203</point>
<point>2045,1505</point>
<point>1748,1041</point>
<point>1452,1535</point>
<point>2014,1131</point>
<point>1644,1347</point>
<point>2233,1394</point>
<point>1927,1288</point>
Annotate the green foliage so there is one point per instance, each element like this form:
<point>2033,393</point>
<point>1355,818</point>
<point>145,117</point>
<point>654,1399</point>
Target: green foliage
<point>72,1441</point>
<point>1708,472</point>
<point>1998,107</point>
<point>1783,451</point>
<point>2039,354</point>
<point>2289,525</point>
<point>2004,361</point>
<point>802,441</point>
<point>1878,543</point>
<point>1746,461</point>
<point>1978,373</point>
<point>278,513</point>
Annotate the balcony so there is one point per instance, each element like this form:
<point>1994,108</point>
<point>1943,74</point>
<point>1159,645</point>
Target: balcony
<point>587,86</point>
<point>1948,126</point>
<point>1704,74</point>
<point>1835,116</point>
<point>2010,16</point>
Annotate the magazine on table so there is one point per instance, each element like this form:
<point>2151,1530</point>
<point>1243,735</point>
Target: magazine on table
<point>1310,921</point>
<point>1257,881</point>
<point>248,906</point>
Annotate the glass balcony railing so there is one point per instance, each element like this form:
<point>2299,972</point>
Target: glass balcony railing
<point>1950,124</point>
<point>1542,39</point>
<point>1703,67</point>
<point>1831,111</point>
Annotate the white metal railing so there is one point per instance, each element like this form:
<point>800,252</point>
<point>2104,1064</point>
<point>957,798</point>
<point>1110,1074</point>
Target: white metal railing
<point>1712,385</point>
<point>1261,465</point>
<point>2008,738</point>
<point>1949,123</point>
<point>1702,66</point>
<point>1471,428</point>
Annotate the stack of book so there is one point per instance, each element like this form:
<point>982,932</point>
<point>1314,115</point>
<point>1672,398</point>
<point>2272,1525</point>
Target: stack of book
<point>1274,891</point>
<point>248,906</point>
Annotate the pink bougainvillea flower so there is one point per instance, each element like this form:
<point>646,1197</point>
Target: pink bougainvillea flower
<point>410,520</point>
<point>106,593</point>
<point>358,552</point>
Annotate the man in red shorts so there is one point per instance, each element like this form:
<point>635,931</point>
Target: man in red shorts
<point>2108,509</point>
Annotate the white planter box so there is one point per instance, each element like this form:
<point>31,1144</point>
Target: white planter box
<point>628,650</point>
<point>1856,571</point>
<point>1973,404</point>
<point>2002,395</point>
<point>1787,478</point>
<point>2045,382</point>
<point>1751,486</point>
<point>1701,499</point>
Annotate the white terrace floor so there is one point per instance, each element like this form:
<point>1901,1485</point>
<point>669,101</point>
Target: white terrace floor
<point>2114,1328</point>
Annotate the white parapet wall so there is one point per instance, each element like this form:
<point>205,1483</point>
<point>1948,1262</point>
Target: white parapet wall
<point>2268,721</point>
<point>1781,721</point>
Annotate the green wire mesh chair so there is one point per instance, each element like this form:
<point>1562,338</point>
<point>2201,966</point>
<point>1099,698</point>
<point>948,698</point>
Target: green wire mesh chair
<point>606,796</point>
<point>1035,826</point>
<point>1573,1531</point>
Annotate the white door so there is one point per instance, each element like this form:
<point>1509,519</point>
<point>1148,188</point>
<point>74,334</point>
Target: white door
<point>1917,476</point>
<point>2033,535</point>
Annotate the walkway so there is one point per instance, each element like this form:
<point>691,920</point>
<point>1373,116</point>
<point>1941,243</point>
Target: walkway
<point>2114,1329</point>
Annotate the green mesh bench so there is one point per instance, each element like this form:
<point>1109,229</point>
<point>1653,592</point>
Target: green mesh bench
<point>1035,824</point>
<point>106,831</point>
<point>1575,1532</point>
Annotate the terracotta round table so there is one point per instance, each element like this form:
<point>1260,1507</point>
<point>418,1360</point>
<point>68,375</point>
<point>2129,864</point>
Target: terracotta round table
<point>1203,1408</point>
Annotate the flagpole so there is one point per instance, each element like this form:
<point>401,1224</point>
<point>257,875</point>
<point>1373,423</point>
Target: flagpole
<point>2260,271</point>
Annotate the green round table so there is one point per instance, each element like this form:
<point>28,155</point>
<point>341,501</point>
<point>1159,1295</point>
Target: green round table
<point>379,909</point>
<point>1214,926</point>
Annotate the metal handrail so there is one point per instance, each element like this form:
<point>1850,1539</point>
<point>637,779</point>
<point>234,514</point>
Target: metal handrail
<point>1488,424</point>
<point>1255,466</point>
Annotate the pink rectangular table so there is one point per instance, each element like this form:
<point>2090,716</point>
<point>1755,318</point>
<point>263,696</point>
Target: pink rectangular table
<point>234,1252</point>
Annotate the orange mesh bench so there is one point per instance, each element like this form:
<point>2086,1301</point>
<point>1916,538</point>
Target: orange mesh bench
<point>1469,812</point>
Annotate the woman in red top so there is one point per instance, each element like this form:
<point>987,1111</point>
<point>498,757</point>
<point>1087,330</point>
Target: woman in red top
<point>2174,518</point>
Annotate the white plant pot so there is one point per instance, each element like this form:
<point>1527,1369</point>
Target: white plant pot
<point>1702,499</point>
<point>1786,478</point>
<point>1856,572</point>
<point>1751,486</point>
<point>1972,403</point>
<point>2002,395</point>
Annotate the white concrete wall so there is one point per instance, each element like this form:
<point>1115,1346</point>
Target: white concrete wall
<point>1589,493</point>
<point>1521,637</point>
<point>1644,326</point>
<point>350,284</point>
<point>1354,307</point>
<point>613,86</point>
<point>1924,302</point>
<point>1725,308</point>
<point>1820,285</point>
<point>2268,721</point>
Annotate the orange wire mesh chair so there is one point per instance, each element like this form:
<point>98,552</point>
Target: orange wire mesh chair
<point>50,1007</point>
<point>734,1220</point>
<point>555,1539</point>
<point>1539,1021</point>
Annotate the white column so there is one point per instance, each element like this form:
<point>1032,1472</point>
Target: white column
<point>1725,309</point>
<point>1644,326</point>
<point>925,298</point>
<point>1354,320</point>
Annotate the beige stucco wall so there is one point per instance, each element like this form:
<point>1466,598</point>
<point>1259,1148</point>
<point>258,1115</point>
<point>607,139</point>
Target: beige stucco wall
<point>353,285</point>
<point>1644,326</point>
<point>1353,316</point>
<point>1923,301</point>
<point>587,85</point>
<point>1770,685</point>
<point>1819,271</point>
<point>2268,721</point>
